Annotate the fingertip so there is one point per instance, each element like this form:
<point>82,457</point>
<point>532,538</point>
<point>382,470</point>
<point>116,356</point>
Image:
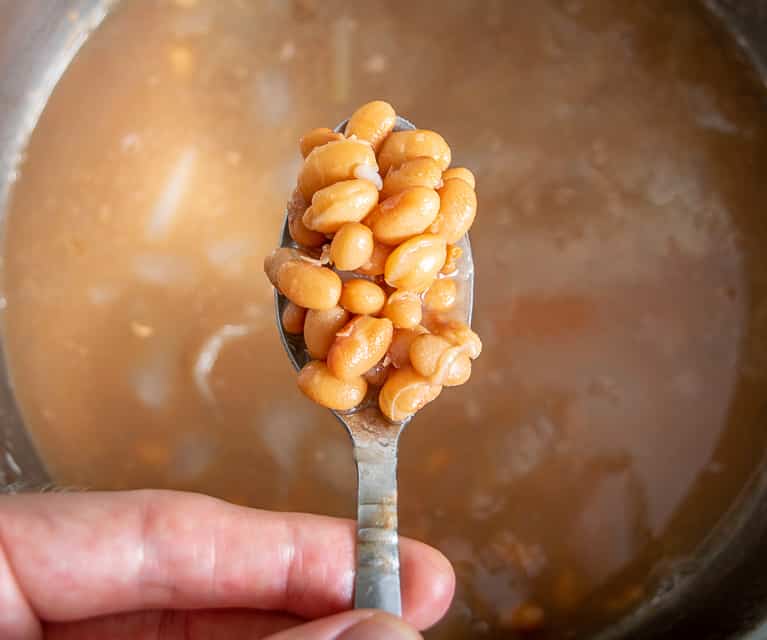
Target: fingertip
<point>428,584</point>
<point>361,624</point>
<point>380,625</point>
<point>328,628</point>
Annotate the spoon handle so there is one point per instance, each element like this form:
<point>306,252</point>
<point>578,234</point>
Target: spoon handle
<point>377,583</point>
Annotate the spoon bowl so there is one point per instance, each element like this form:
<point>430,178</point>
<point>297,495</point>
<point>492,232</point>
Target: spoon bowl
<point>375,439</point>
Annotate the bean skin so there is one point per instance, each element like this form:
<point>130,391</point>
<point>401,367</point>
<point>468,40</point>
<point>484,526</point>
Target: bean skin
<point>376,376</point>
<point>340,203</point>
<point>439,360</point>
<point>300,233</point>
<point>457,210</point>
<point>402,146</point>
<point>318,383</point>
<point>418,172</point>
<point>359,346</point>
<point>333,162</point>
<point>309,285</point>
<point>460,334</point>
<point>317,138</point>
<point>377,263</point>
<point>462,174</point>
<point>399,351</point>
<point>403,308</point>
<point>441,296</point>
<point>352,246</point>
<point>320,329</point>
<point>404,393</point>
<point>454,254</point>
<point>274,261</point>
<point>293,318</point>
<point>415,263</point>
<point>362,297</point>
<point>372,122</point>
<point>407,214</point>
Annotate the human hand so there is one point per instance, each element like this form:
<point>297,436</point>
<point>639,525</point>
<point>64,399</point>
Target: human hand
<point>161,565</point>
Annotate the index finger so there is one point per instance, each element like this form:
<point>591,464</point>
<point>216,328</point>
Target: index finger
<point>75,556</point>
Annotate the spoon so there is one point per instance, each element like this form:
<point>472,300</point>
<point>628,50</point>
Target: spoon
<point>374,439</point>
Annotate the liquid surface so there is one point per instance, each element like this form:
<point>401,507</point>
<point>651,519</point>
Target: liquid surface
<point>620,156</point>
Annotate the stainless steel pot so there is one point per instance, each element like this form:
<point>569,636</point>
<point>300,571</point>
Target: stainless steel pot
<point>723,595</point>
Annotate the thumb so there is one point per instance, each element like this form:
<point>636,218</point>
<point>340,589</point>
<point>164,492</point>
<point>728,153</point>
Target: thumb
<point>362,624</point>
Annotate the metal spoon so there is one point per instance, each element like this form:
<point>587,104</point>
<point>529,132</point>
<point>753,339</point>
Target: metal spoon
<point>374,438</point>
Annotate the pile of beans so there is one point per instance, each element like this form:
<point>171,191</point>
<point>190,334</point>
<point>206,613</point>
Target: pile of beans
<point>375,218</point>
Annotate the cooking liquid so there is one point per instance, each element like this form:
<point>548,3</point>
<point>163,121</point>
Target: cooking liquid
<point>620,154</point>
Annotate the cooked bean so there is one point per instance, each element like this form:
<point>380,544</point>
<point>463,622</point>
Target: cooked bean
<point>339,203</point>
<point>457,210</point>
<point>318,383</point>
<point>300,232</point>
<point>274,261</point>
<point>399,351</point>
<point>362,297</point>
<point>333,162</point>
<point>404,393</point>
<point>359,346</point>
<point>372,122</point>
<point>395,229</point>
<point>293,318</point>
<point>320,329</point>
<point>402,146</point>
<point>403,216</point>
<point>309,285</point>
<point>455,373</point>
<point>377,263</point>
<point>418,172</point>
<point>441,295</point>
<point>440,361</point>
<point>403,308</point>
<point>415,263</point>
<point>454,253</point>
<point>427,352</point>
<point>460,334</point>
<point>376,376</point>
<point>297,202</point>
<point>352,246</point>
<point>460,173</point>
<point>316,138</point>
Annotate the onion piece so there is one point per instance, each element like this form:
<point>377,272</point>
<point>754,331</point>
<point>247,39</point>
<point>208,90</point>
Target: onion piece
<point>208,355</point>
<point>164,269</point>
<point>192,456</point>
<point>229,256</point>
<point>102,294</point>
<point>12,464</point>
<point>224,252</point>
<point>141,330</point>
<point>167,205</point>
<point>152,380</point>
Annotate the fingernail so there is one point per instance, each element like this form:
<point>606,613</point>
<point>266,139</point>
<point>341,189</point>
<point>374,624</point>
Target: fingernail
<point>381,626</point>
